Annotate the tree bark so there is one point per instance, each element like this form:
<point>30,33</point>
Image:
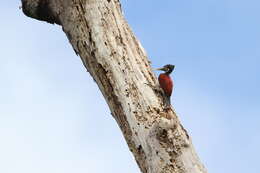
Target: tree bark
<point>116,60</point>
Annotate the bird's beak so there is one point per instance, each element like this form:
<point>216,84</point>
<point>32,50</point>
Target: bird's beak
<point>162,69</point>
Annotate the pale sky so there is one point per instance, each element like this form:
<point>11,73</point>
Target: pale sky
<point>54,119</point>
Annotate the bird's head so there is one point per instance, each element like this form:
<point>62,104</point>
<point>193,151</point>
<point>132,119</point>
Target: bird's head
<point>167,68</point>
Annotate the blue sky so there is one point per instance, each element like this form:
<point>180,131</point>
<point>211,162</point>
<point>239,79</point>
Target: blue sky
<point>53,118</point>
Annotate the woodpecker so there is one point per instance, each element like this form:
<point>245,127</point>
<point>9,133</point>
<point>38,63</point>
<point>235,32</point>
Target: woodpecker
<point>165,81</point>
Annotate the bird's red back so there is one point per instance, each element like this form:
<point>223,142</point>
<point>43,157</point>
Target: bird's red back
<point>166,84</point>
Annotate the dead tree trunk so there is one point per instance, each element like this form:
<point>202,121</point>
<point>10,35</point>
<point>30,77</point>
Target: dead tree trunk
<point>116,60</point>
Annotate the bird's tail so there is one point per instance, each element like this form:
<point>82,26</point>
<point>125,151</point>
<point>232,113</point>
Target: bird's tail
<point>168,101</point>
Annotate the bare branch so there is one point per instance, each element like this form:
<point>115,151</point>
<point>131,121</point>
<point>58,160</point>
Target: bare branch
<point>116,60</point>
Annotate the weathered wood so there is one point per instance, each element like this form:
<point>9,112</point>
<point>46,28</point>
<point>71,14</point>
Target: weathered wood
<point>116,60</point>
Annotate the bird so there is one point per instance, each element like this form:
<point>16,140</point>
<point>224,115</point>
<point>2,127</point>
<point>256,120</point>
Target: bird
<point>165,81</point>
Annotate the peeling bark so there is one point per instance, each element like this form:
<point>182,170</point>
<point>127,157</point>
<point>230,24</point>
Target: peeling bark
<point>117,62</point>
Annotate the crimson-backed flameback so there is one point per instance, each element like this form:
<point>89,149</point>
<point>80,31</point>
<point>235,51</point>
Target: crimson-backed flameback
<point>165,81</point>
